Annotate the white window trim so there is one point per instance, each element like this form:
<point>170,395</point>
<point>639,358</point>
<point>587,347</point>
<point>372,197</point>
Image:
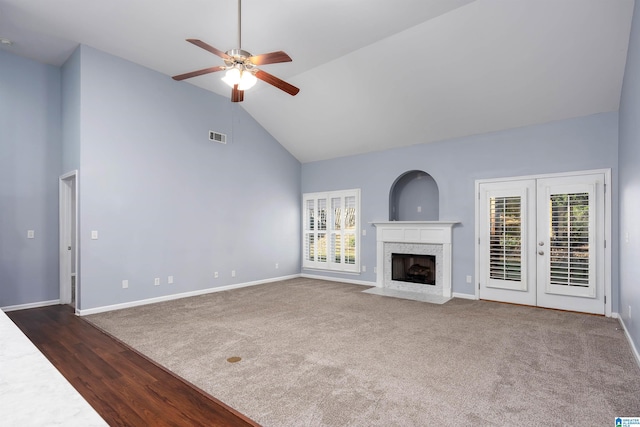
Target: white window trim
<point>328,265</point>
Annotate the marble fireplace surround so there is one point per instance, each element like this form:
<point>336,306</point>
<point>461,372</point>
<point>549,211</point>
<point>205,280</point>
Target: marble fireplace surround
<point>417,237</point>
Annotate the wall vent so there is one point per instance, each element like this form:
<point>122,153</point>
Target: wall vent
<point>217,137</point>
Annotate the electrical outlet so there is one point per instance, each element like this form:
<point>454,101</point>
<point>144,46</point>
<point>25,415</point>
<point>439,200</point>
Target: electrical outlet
<point>364,268</point>
<point>469,279</point>
<point>170,279</point>
<point>375,270</point>
<point>156,281</point>
<point>125,284</point>
<point>419,209</point>
<point>277,266</point>
<point>31,234</point>
<point>215,275</point>
<point>94,234</point>
<point>233,273</point>
<point>364,232</point>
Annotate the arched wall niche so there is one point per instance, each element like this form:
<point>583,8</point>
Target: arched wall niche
<point>414,196</point>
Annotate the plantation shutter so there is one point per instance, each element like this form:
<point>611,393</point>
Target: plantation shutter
<point>337,221</point>
<point>505,238</point>
<point>569,239</point>
<point>330,239</point>
<point>350,234</point>
<point>309,231</point>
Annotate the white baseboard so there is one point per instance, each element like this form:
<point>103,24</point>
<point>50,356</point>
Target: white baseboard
<point>171,297</point>
<point>634,349</point>
<point>339,279</point>
<point>464,296</point>
<point>30,305</point>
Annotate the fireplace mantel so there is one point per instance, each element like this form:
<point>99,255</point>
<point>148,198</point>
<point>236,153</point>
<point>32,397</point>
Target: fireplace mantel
<point>417,232</point>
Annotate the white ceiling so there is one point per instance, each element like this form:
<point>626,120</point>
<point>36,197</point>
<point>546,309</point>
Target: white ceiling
<point>373,74</point>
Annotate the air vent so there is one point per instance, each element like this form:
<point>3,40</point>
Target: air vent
<point>218,137</point>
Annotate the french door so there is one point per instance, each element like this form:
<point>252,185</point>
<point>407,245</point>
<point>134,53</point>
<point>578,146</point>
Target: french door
<point>542,242</point>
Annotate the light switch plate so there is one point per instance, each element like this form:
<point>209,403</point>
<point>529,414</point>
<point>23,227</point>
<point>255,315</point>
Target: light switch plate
<point>94,234</point>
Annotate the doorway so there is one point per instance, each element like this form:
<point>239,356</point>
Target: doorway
<point>542,241</point>
<point>68,228</point>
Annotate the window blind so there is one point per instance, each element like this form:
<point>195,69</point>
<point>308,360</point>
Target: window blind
<point>505,238</point>
<point>330,238</point>
<point>569,239</point>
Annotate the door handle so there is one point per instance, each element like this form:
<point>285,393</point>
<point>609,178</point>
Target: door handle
<point>540,243</point>
<point>540,252</point>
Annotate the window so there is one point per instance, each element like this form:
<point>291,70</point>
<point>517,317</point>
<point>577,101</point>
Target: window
<point>505,238</point>
<point>569,239</point>
<point>330,238</point>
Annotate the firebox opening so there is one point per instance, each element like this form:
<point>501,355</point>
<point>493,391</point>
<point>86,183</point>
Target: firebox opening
<point>414,268</point>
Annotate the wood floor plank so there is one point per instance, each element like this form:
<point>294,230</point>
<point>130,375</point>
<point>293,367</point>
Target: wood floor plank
<point>123,386</point>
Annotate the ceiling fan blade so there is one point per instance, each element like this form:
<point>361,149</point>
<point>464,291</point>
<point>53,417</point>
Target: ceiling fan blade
<point>236,94</point>
<point>270,58</point>
<point>198,72</point>
<point>209,48</point>
<point>280,84</point>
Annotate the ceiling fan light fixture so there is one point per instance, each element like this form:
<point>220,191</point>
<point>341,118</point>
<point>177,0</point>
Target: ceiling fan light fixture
<point>247,80</point>
<point>232,77</point>
<point>241,77</point>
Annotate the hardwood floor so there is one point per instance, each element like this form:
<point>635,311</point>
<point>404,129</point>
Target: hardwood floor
<point>124,387</point>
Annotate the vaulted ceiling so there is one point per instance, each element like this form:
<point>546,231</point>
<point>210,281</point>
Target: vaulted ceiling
<point>373,74</point>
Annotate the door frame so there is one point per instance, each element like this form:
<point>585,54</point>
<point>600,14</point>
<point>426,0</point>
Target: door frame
<point>607,224</point>
<point>68,209</point>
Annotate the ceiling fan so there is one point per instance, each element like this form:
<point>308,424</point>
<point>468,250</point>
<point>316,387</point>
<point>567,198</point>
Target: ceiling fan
<point>240,65</point>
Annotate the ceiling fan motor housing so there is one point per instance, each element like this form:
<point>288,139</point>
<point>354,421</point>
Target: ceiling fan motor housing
<point>239,57</point>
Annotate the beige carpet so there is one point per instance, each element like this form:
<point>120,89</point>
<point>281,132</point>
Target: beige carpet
<point>318,353</point>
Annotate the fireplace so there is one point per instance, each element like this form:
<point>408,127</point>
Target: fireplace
<point>414,256</point>
<point>413,268</point>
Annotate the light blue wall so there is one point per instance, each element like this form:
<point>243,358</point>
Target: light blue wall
<point>630,185</point>
<point>415,190</point>
<point>569,145</point>
<point>71,108</point>
<point>30,164</point>
<point>167,201</point>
